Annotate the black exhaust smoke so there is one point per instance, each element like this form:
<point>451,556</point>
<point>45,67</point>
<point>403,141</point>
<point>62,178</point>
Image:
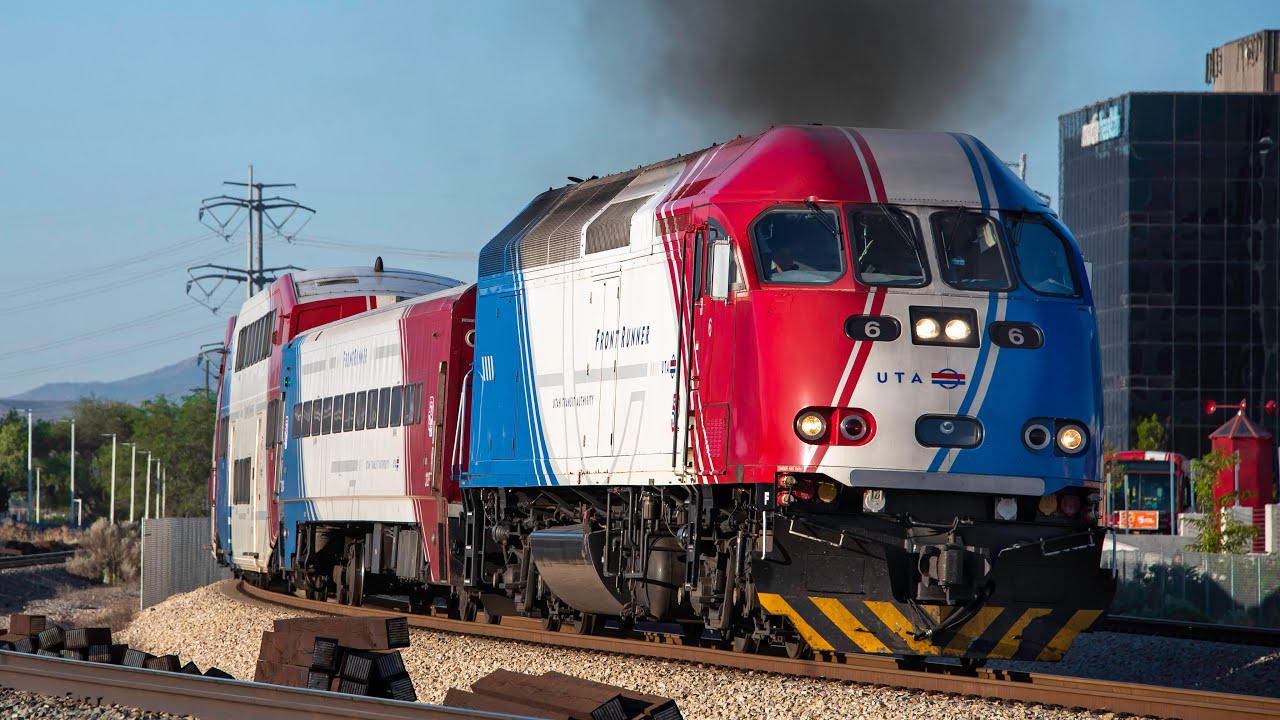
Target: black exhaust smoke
<point>738,66</point>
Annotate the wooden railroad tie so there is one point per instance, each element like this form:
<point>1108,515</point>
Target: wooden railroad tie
<point>556,696</point>
<point>35,635</point>
<point>356,656</point>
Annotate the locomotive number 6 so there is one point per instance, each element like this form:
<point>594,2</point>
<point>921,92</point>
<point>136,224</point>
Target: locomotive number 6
<point>877,328</point>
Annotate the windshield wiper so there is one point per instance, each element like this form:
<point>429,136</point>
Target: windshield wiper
<point>823,218</point>
<point>906,234</point>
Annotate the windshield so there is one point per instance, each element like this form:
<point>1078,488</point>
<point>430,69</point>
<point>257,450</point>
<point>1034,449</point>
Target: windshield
<point>969,249</point>
<point>1146,492</point>
<point>796,246</point>
<point>886,247</point>
<point>1043,258</point>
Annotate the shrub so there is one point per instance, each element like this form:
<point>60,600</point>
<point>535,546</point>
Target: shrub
<point>109,553</point>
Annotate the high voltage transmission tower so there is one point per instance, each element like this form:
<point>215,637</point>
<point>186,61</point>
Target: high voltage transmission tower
<point>223,215</point>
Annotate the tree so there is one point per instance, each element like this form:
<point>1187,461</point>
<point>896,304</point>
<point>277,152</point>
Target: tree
<point>179,435</point>
<point>1150,434</point>
<point>1217,529</point>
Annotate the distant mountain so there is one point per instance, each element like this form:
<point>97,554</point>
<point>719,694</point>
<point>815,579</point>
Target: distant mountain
<point>55,400</point>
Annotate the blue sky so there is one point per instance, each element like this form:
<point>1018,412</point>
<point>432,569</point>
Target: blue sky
<point>418,125</point>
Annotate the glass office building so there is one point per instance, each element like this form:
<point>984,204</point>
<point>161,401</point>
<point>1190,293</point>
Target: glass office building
<point>1173,197</point>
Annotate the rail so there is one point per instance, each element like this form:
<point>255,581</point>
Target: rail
<point>1036,688</point>
<point>49,558</point>
<point>1207,632</point>
<point>205,698</point>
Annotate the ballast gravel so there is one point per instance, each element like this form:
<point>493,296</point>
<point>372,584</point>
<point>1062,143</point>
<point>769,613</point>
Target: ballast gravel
<point>16,704</point>
<point>213,629</point>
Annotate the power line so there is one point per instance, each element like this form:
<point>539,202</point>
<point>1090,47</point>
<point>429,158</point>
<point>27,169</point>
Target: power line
<point>114,352</point>
<point>60,343</point>
<point>62,280</point>
<point>115,283</point>
<point>316,242</point>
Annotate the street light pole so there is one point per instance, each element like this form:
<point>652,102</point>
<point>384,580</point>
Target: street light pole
<point>164,485</point>
<point>133,466</point>
<point>71,512</point>
<point>146,496</point>
<point>37,496</point>
<point>29,427</point>
<point>113,476</point>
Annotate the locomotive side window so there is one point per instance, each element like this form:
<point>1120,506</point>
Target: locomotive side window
<point>360,411</point>
<point>1042,258</point>
<point>886,247</point>
<point>349,418</point>
<point>296,430</point>
<point>326,416</point>
<point>371,419</point>
<point>799,246</point>
<point>971,252</point>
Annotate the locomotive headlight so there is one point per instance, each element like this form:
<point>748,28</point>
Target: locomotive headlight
<point>1071,439</point>
<point>957,329</point>
<point>811,426</point>
<point>927,328</point>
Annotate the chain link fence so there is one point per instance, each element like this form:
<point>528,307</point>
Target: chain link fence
<point>176,558</point>
<point>1200,587</point>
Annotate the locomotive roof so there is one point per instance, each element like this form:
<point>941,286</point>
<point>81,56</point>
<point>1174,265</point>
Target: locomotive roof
<point>914,166</point>
<point>787,163</point>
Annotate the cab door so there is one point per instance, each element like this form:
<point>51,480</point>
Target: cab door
<point>711,331</point>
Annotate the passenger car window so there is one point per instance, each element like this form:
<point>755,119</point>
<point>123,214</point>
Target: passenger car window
<point>1043,258</point>
<point>796,246</point>
<point>886,247</point>
<point>970,250</point>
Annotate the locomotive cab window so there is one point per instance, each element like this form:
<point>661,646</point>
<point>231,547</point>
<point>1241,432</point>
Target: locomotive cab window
<point>799,246</point>
<point>1042,257</point>
<point>971,251</point>
<point>886,247</point>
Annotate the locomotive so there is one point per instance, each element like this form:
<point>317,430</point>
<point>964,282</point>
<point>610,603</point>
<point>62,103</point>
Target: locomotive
<point>830,388</point>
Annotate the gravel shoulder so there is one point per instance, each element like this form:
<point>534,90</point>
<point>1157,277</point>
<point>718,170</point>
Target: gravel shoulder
<point>18,704</point>
<point>212,629</point>
<point>65,598</point>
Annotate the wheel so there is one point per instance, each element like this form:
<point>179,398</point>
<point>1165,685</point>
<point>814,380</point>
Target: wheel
<point>797,648</point>
<point>551,623</point>
<point>586,624</point>
<point>746,643</point>
<point>467,608</point>
<point>355,577</point>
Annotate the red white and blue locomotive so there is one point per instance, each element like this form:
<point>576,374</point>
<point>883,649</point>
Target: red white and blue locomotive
<point>826,387</point>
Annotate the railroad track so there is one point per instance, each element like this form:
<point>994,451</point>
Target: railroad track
<point>205,698</point>
<point>1036,688</point>
<point>1233,634</point>
<point>50,558</point>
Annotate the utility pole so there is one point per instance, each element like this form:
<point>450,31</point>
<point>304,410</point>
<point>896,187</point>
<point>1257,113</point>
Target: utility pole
<point>71,512</point>
<point>29,427</point>
<point>222,212</point>
<point>164,483</point>
<point>146,493</point>
<point>113,475</point>
<point>133,466</point>
<point>37,496</point>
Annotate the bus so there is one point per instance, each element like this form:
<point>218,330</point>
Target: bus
<point>1147,491</point>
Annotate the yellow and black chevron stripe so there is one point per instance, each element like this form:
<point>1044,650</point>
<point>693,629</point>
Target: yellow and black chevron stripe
<point>846,625</point>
